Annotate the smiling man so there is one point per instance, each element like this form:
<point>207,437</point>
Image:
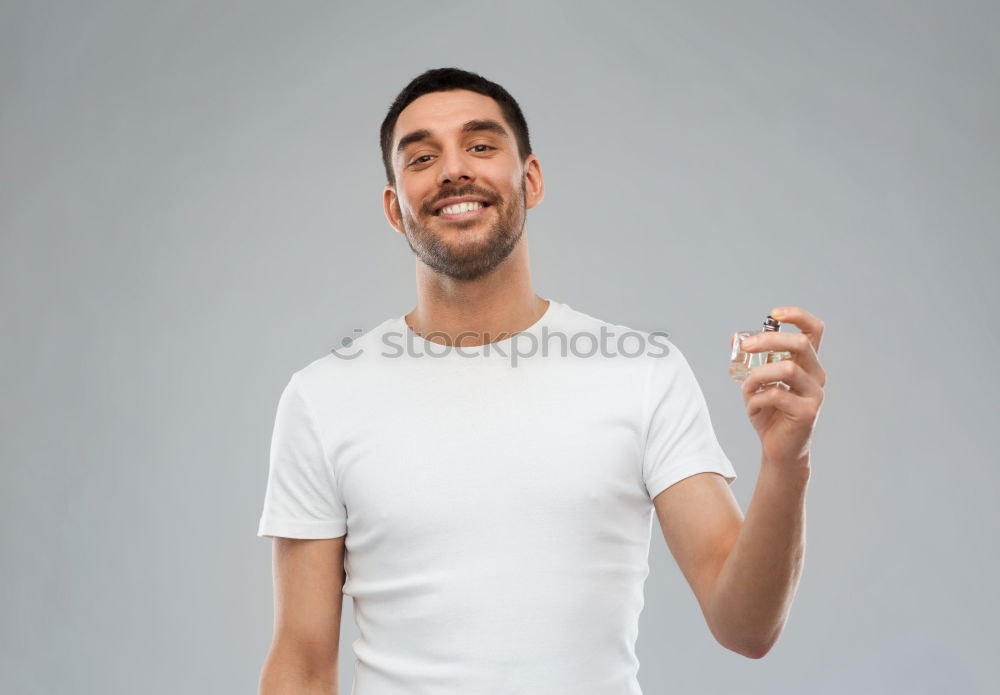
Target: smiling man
<point>480,474</point>
<point>461,232</point>
<point>469,149</point>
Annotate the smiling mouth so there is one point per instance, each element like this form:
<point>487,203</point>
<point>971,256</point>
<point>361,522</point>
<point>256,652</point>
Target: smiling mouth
<point>459,216</point>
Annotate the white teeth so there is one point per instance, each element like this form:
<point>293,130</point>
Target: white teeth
<point>461,207</point>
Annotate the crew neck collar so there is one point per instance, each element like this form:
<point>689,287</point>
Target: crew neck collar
<point>544,319</point>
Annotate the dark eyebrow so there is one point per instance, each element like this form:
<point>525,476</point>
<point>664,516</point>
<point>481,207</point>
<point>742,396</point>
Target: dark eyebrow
<point>486,124</point>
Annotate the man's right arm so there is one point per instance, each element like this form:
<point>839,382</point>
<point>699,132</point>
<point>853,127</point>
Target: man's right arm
<point>308,597</point>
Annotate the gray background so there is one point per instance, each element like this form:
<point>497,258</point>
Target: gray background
<point>190,206</point>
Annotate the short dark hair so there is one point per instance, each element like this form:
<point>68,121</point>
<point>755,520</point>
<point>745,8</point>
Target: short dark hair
<point>447,79</point>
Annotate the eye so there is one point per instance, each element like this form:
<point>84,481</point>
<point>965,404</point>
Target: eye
<point>418,159</point>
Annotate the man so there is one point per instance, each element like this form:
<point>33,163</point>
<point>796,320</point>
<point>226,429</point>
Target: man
<point>487,503</point>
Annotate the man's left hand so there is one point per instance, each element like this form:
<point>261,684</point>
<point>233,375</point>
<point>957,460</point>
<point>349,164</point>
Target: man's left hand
<point>784,418</point>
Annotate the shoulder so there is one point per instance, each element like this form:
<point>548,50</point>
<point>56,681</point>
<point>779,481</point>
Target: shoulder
<point>648,346</point>
<point>347,364</point>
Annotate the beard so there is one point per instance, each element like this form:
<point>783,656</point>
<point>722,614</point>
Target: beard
<point>473,253</point>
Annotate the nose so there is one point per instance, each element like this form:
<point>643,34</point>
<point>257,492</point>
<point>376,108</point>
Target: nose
<point>455,167</point>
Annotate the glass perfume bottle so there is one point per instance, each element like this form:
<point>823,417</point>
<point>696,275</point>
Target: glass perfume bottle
<point>740,362</point>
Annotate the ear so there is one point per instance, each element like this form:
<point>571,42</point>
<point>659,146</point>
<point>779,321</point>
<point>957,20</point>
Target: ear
<point>534,183</point>
<point>390,203</point>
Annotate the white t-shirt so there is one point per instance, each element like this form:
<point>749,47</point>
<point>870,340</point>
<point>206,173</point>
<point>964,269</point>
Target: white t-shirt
<point>497,499</point>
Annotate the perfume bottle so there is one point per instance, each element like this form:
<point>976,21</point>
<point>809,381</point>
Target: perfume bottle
<point>740,362</point>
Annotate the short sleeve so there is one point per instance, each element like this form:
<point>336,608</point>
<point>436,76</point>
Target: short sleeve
<point>301,499</point>
<point>680,439</point>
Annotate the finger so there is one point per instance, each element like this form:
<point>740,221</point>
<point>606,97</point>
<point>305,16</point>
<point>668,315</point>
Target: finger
<point>787,371</point>
<point>811,325</point>
<point>793,405</point>
<point>799,344</point>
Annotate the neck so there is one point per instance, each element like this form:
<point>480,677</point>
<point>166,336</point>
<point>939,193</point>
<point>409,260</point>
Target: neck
<point>474,312</point>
